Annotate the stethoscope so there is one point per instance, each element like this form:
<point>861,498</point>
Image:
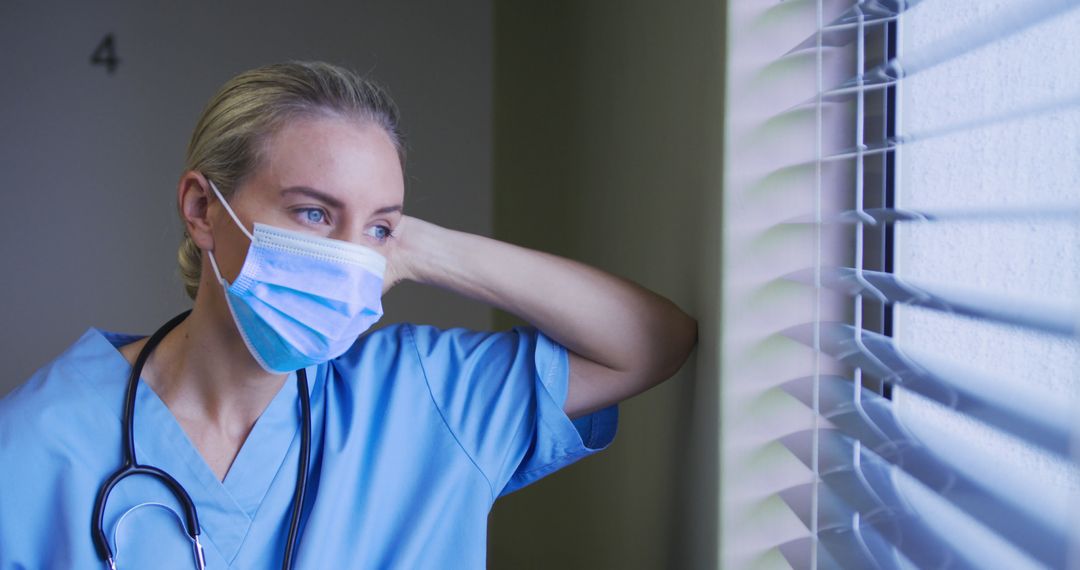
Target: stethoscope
<point>131,465</point>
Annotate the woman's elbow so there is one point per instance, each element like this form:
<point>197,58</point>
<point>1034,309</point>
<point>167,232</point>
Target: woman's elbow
<point>679,342</point>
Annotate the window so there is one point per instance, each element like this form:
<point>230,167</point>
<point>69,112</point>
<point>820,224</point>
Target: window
<point>1001,158</point>
<point>931,282</point>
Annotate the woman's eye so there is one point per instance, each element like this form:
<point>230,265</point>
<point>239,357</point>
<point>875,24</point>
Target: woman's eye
<point>314,215</point>
<point>381,233</point>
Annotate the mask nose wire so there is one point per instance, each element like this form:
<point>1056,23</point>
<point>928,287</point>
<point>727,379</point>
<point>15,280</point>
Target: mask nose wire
<point>235,218</point>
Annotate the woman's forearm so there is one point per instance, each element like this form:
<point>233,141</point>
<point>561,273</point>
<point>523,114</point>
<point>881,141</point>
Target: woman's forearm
<point>606,319</point>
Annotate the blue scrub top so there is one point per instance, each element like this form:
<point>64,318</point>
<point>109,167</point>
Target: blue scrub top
<point>415,432</point>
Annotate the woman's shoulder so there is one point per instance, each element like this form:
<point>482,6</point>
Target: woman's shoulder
<point>429,352</point>
<point>416,341</point>
<point>66,397</point>
<point>399,339</point>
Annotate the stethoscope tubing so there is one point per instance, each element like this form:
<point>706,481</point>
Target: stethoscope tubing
<point>131,466</point>
<point>301,475</point>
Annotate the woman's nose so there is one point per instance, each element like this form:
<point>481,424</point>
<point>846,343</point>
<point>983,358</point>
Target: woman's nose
<point>351,231</point>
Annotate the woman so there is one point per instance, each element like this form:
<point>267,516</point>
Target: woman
<point>292,197</point>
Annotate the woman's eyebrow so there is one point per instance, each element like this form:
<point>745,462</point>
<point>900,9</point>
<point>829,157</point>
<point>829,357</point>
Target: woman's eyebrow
<point>388,209</point>
<point>332,201</point>
<point>313,193</point>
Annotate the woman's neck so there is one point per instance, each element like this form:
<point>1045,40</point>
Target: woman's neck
<point>206,367</point>
<point>208,379</point>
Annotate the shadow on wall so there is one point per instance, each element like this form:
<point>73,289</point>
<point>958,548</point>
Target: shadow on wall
<point>608,150</point>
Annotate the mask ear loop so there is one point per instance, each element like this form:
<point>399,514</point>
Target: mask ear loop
<point>235,218</point>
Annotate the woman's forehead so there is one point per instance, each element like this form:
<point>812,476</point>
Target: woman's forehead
<point>352,162</point>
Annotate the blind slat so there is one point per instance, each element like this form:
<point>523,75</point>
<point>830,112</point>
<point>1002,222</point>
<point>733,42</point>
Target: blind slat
<point>888,288</point>
<point>874,9</point>
<point>798,554</point>
<point>1010,505</point>
<point>839,34</point>
<point>894,143</point>
<point>1040,420</point>
<point>832,512</point>
<point>1006,22</point>
<point>844,29</point>
<point>1020,113</point>
<point>876,216</point>
<point>885,496</point>
<point>882,521</point>
<point>860,546</point>
<point>847,543</point>
<point>884,216</point>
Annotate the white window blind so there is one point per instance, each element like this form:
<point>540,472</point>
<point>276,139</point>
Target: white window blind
<point>946,371</point>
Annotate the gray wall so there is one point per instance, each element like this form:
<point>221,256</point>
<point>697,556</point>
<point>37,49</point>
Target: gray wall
<point>90,161</point>
<point>608,122</point>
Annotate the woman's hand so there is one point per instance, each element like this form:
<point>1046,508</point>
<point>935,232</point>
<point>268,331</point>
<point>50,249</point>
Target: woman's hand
<point>623,339</point>
<point>396,252</point>
<point>411,254</point>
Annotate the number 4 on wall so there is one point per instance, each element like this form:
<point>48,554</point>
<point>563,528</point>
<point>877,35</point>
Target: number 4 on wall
<point>105,54</point>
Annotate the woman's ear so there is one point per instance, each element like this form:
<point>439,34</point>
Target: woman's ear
<point>193,199</point>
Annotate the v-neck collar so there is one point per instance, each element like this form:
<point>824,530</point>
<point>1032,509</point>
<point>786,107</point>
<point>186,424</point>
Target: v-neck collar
<point>226,508</point>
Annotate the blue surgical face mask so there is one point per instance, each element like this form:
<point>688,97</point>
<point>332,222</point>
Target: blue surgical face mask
<point>299,299</point>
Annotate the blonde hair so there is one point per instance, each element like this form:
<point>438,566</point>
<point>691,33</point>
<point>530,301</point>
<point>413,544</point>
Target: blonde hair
<point>231,134</point>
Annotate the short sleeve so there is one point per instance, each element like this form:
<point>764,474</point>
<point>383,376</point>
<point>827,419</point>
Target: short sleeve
<point>502,395</point>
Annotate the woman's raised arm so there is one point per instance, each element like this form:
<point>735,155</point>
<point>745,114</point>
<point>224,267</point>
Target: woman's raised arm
<point>623,339</point>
